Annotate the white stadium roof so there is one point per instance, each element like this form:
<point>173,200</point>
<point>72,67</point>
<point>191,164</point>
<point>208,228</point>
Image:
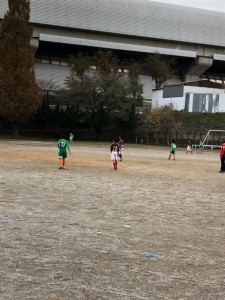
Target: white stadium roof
<point>135,18</point>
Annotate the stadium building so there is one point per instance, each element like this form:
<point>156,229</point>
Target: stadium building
<point>132,28</point>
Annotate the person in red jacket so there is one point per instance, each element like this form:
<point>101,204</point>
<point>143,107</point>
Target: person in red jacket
<point>222,157</point>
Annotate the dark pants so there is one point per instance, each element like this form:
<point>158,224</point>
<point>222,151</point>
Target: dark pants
<point>222,164</point>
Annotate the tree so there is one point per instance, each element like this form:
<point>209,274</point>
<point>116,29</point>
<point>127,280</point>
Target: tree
<point>162,119</point>
<point>160,68</point>
<point>48,90</point>
<point>128,119</point>
<point>135,88</point>
<point>79,65</point>
<point>19,92</point>
<point>106,62</point>
<point>103,93</point>
<point>98,96</point>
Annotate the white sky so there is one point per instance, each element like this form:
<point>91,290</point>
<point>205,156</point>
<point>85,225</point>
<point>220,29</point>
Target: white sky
<point>217,5</point>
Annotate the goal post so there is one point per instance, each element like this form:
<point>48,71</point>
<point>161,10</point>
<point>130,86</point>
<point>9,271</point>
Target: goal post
<point>206,140</point>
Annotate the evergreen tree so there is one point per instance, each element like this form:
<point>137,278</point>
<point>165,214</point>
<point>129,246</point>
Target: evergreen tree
<point>19,92</point>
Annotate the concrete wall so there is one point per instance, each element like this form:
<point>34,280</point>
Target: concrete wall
<point>57,75</point>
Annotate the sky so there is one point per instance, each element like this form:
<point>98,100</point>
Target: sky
<point>217,5</point>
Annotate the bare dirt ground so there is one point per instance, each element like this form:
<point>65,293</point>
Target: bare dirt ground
<point>83,232</point>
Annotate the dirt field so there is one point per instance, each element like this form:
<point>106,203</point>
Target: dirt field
<point>84,232</point>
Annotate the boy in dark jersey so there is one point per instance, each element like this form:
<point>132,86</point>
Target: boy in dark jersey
<point>189,146</point>
<point>114,148</point>
<point>63,145</point>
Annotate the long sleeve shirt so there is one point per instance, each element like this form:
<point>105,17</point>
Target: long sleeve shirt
<point>222,150</point>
